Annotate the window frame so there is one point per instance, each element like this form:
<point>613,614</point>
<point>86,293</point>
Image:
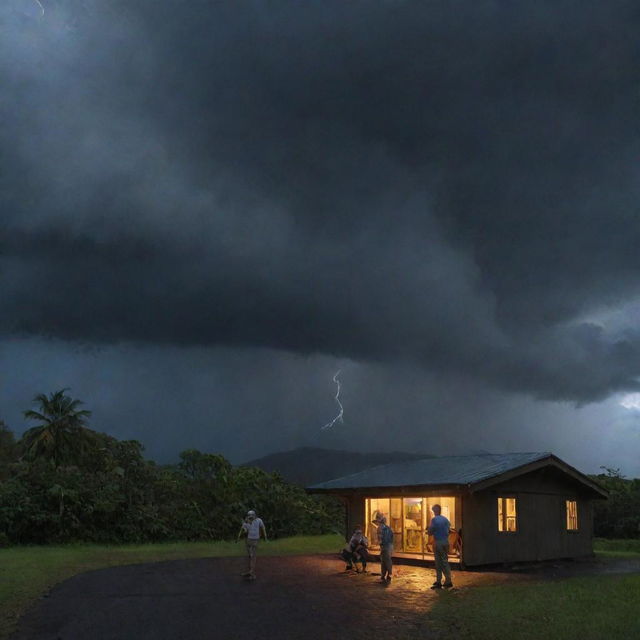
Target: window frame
<point>567,516</point>
<point>502,503</point>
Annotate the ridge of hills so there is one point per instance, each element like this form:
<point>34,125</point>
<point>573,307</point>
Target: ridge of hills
<point>309,465</point>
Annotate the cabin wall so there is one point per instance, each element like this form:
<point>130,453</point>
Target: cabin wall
<point>355,513</point>
<point>541,521</point>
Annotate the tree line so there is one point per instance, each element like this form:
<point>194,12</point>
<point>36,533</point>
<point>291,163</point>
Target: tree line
<point>64,482</point>
<point>619,516</point>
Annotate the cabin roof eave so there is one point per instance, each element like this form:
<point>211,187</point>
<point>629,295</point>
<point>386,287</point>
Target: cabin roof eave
<point>552,461</point>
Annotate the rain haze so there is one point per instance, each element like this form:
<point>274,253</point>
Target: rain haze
<point>207,209</point>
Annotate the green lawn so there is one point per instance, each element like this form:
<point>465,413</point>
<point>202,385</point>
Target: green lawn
<point>589,608</point>
<point>605,547</point>
<point>578,608</point>
<point>28,572</point>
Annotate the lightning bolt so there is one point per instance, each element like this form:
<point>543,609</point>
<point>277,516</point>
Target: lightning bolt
<point>338,418</point>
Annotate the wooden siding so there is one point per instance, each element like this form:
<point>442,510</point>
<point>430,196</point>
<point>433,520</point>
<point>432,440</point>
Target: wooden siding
<point>541,516</point>
<point>541,521</point>
<point>356,511</point>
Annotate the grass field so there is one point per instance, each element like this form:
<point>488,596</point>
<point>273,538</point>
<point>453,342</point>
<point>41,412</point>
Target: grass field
<point>574,609</point>
<point>620,548</point>
<point>589,608</point>
<point>28,572</point>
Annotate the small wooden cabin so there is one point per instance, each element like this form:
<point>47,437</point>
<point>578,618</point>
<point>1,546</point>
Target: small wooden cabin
<point>503,508</point>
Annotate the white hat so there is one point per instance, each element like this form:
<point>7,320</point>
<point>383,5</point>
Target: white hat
<point>251,514</point>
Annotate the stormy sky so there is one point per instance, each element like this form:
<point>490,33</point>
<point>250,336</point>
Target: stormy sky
<point>207,208</point>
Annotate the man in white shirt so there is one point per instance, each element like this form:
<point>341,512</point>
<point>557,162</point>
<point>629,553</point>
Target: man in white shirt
<point>252,526</point>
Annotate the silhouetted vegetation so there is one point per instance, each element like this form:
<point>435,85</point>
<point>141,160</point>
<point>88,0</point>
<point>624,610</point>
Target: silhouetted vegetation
<point>63,482</point>
<point>8,451</point>
<point>619,516</point>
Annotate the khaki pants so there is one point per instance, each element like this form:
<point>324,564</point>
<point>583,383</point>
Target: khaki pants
<point>252,548</point>
<point>440,553</point>
<point>386,565</point>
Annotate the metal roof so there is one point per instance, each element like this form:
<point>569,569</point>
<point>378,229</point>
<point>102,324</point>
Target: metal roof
<point>435,471</point>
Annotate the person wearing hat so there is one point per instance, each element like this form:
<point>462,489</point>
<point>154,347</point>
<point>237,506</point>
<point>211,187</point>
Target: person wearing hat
<point>385,539</point>
<point>251,527</point>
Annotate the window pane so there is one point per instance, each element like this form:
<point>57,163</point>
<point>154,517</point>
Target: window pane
<point>412,538</point>
<point>447,508</point>
<point>395,521</point>
<point>511,514</point>
<point>507,516</point>
<point>572,515</point>
<point>377,506</point>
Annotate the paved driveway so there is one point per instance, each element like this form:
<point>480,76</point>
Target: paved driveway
<point>305,597</point>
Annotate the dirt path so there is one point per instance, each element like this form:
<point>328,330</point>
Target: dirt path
<point>305,597</point>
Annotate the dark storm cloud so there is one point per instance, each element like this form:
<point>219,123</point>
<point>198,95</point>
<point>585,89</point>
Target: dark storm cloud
<point>449,183</point>
<point>248,402</point>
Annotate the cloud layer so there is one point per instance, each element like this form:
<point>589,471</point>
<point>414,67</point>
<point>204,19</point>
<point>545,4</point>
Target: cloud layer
<point>448,185</point>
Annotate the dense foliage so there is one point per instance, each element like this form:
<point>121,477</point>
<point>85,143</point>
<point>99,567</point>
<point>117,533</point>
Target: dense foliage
<point>63,482</point>
<point>619,516</point>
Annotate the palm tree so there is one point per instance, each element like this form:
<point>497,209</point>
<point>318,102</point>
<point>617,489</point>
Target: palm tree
<point>61,436</point>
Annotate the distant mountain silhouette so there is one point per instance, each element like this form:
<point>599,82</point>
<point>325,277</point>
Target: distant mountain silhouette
<point>309,465</point>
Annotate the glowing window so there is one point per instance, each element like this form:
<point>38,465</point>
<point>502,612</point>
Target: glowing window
<point>507,517</point>
<point>572,515</point>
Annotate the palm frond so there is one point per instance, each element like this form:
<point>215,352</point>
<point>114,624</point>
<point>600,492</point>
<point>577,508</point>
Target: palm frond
<point>35,415</point>
<point>62,435</point>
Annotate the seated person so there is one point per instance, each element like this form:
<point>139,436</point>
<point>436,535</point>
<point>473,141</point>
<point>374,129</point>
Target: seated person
<point>347,555</point>
<point>359,545</point>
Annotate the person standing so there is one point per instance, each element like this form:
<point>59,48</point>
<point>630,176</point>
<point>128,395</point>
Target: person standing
<point>439,529</point>
<point>252,527</point>
<point>385,538</point>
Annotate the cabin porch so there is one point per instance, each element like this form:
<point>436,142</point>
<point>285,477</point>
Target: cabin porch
<point>409,518</point>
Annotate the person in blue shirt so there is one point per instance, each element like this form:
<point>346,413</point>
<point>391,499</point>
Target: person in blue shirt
<point>439,529</point>
<point>385,539</point>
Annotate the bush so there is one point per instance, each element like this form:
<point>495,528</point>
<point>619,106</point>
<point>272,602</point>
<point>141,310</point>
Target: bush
<point>619,516</point>
<point>120,497</point>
